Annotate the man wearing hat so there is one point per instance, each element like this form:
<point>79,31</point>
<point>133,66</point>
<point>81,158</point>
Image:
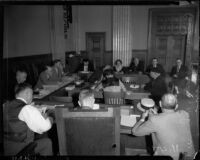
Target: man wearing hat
<point>170,130</point>
<point>157,86</point>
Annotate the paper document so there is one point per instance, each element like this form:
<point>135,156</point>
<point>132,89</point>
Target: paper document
<point>128,120</point>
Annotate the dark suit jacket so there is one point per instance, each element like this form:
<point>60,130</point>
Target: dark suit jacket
<point>150,67</point>
<point>90,67</point>
<point>44,80</point>
<point>10,90</point>
<point>183,72</point>
<point>157,87</point>
<point>138,68</point>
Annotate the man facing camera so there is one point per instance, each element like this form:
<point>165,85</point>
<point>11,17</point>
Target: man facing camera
<point>86,100</point>
<point>21,120</point>
<point>179,73</point>
<point>170,129</point>
<point>179,70</point>
<point>155,65</point>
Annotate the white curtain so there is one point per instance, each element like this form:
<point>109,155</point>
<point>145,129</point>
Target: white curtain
<point>122,34</point>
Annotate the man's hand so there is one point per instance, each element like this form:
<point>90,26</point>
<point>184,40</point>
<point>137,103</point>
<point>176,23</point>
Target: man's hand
<point>145,114</point>
<point>153,111</point>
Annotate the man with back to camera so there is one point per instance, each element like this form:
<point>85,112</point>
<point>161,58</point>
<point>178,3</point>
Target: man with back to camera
<point>157,87</point>
<point>86,100</point>
<point>21,120</point>
<point>170,129</point>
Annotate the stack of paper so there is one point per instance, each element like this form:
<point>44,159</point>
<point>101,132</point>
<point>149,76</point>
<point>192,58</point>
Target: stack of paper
<point>128,120</point>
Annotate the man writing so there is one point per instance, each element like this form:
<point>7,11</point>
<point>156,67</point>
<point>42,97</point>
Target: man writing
<point>170,129</point>
<point>21,120</point>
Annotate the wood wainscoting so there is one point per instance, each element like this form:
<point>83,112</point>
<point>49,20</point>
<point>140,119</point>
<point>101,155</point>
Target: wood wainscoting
<point>32,64</point>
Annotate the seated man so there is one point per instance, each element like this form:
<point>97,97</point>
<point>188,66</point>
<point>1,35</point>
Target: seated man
<point>86,100</point>
<point>170,130</point>
<point>180,73</point>
<point>110,80</point>
<point>57,70</point>
<point>45,78</point>
<point>157,87</point>
<point>21,120</point>
<point>97,76</point>
<point>86,66</point>
<point>118,68</point>
<point>136,66</point>
<point>21,77</point>
<point>154,65</point>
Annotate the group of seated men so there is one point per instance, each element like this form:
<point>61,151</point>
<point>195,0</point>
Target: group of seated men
<point>23,119</point>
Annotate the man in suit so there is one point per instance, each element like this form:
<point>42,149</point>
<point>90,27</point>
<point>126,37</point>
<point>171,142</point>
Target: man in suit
<point>157,87</point>
<point>45,78</point>
<point>154,65</point>
<point>136,66</point>
<point>170,129</point>
<point>57,70</point>
<point>20,77</point>
<point>21,120</point>
<point>179,71</point>
<point>86,66</point>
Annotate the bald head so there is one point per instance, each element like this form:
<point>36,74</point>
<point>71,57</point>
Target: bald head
<point>169,101</point>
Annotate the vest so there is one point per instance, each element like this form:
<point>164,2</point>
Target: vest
<point>15,129</point>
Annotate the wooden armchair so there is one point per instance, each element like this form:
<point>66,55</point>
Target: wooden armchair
<point>88,132</point>
<point>114,97</point>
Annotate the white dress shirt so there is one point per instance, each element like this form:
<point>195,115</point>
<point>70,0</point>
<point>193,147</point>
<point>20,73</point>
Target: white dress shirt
<point>34,119</point>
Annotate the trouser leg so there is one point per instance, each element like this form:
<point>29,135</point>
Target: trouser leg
<point>44,147</point>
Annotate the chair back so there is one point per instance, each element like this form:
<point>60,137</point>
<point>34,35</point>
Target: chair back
<point>129,79</point>
<point>114,97</point>
<point>135,79</point>
<point>88,132</point>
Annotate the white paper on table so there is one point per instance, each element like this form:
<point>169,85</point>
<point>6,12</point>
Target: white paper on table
<point>128,120</point>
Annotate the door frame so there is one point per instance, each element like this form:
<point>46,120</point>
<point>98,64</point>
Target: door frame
<point>86,40</point>
<point>190,30</point>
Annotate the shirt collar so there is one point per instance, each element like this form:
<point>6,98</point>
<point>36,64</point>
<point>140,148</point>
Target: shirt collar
<point>22,99</point>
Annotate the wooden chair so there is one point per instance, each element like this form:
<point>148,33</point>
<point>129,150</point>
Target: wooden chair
<point>88,132</point>
<point>135,78</point>
<point>129,79</point>
<point>114,97</point>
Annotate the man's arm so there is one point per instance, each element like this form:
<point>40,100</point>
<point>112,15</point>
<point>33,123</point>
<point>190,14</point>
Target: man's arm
<point>142,127</point>
<point>34,119</point>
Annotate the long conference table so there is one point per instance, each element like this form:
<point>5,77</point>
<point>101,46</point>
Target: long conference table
<point>59,89</point>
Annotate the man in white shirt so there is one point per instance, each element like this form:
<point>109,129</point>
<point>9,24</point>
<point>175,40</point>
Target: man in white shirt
<point>170,129</point>
<point>21,120</point>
